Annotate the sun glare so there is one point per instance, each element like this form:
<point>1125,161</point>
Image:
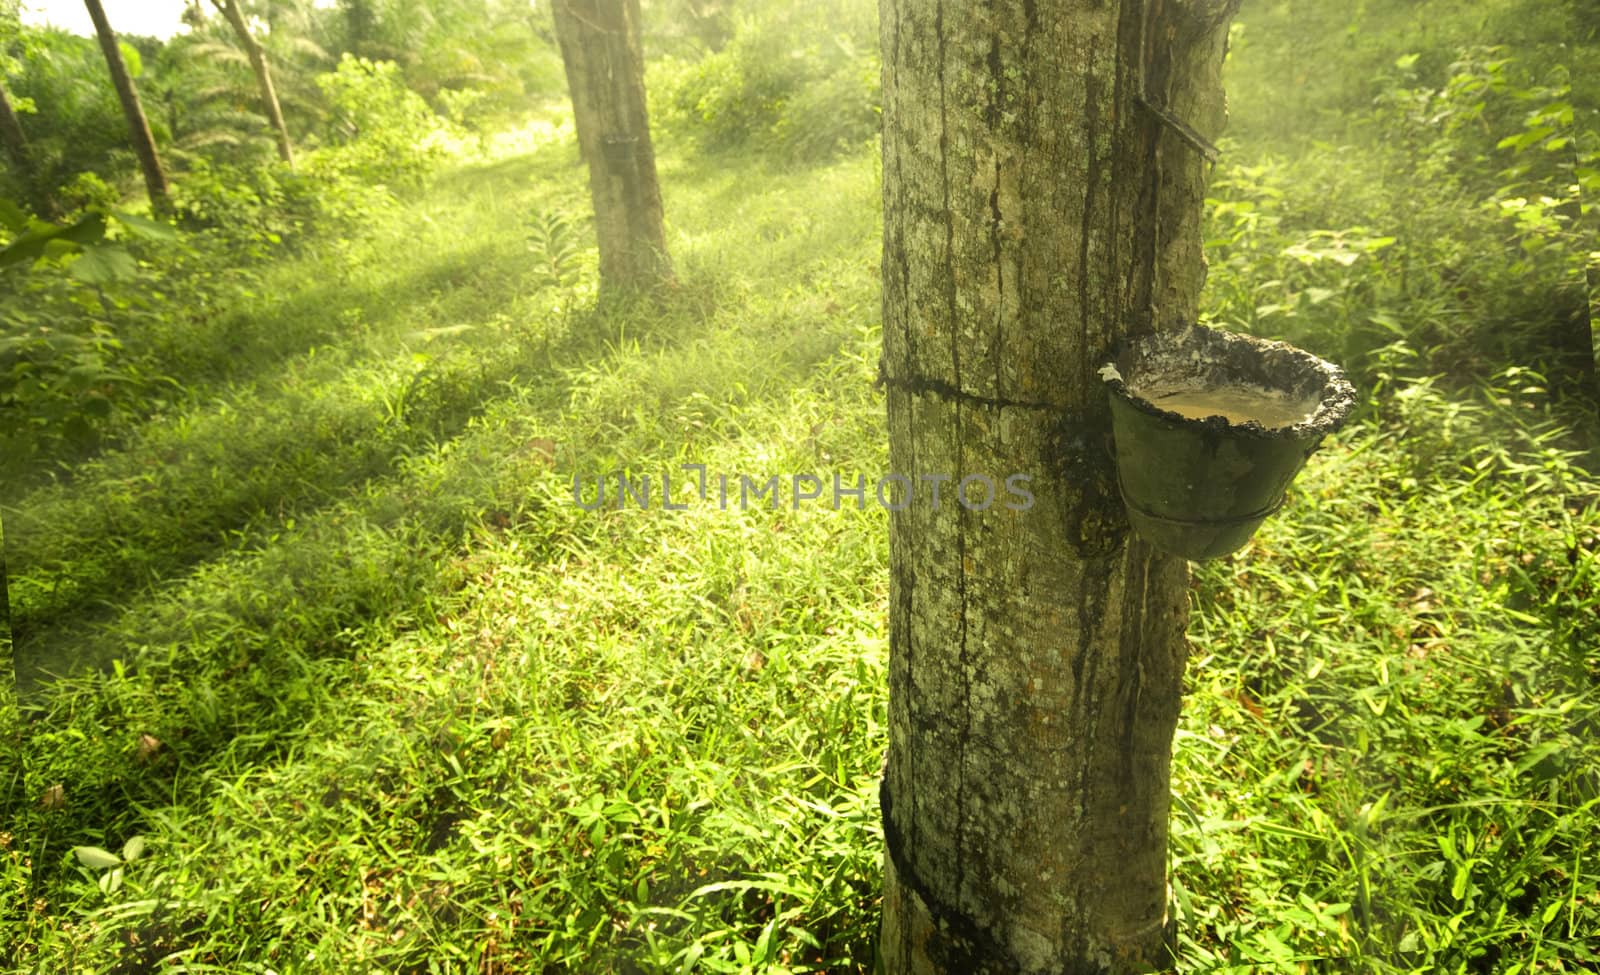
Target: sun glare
<point>146,18</point>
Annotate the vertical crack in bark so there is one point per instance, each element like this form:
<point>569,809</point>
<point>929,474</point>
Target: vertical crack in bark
<point>994,116</point>
<point>965,663</point>
<point>1139,632</point>
<point>1159,69</point>
<point>904,187</point>
<point>1082,716</point>
<point>1140,290</point>
<point>1026,119</point>
<point>997,340</point>
<point>949,215</point>
<point>998,77</point>
<point>914,694</point>
<point>896,266</point>
<point>951,290</point>
<point>1090,343</point>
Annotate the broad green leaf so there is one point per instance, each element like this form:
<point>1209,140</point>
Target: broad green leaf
<point>31,245</point>
<point>133,849</point>
<point>1387,321</point>
<point>95,858</point>
<point>103,265</point>
<point>1538,755</point>
<point>145,227</point>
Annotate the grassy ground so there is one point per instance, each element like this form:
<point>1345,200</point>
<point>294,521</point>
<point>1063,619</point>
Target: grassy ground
<point>381,697</point>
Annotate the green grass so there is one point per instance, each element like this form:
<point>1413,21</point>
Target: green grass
<point>379,697</point>
<point>1409,732</point>
<point>345,528</point>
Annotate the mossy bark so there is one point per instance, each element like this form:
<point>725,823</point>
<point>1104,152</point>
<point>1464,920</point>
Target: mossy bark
<point>1041,199</point>
<point>144,144</point>
<point>605,73</point>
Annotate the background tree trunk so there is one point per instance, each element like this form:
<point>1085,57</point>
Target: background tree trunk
<point>15,142</point>
<point>144,144</point>
<point>605,72</point>
<point>1036,209</point>
<point>360,22</point>
<point>258,64</point>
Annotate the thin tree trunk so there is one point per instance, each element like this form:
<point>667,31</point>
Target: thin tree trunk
<point>9,671</point>
<point>144,144</point>
<point>1037,208</point>
<point>16,147</point>
<point>605,72</point>
<point>258,64</point>
<point>359,21</point>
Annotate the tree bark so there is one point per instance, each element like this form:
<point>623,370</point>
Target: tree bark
<point>15,142</point>
<point>359,23</point>
<point>1043,174</point>
<point>144,144</point>
<point>258,64</point>
<point>605,72</point>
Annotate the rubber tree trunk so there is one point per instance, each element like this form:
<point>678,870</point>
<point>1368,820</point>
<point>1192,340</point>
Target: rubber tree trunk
<point>360,23</point>
<point>258,64</point>
<point>1043,183</point>
<point>605,72</point>
<point>144,144</point>
<point>15,142</point>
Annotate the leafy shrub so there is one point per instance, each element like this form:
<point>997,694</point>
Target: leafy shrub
<point>69,110</point>
<point>780,85</point>
<point>69,292</point>
<point>249,210</point>
<point>241,205</point>
<point>382,131</point>
<point>834,112</point>
<point>1340,251</point>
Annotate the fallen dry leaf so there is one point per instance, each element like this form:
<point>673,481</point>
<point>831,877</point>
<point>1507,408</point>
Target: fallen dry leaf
<point>146,749</point>
<point>54,797</point>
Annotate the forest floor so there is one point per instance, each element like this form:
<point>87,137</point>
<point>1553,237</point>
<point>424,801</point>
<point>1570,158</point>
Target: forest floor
<point>375,694</point>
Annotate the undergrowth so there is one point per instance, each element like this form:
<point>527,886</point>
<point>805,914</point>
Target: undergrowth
<point>373,693</point>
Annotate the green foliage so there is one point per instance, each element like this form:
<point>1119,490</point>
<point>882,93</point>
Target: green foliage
<point>778,84</point>
<point>483,63</point>
<point>556,249</point>
<point>71,290</point>
<point>375,695</point>
<point>687,29</point>
<point>381,468</point>
<point>383,131</point>
<point>1446,217</point>
<point>501,50</point>
<point>1412,712</point>
<point>252,210</point>
<point>72,119</point>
